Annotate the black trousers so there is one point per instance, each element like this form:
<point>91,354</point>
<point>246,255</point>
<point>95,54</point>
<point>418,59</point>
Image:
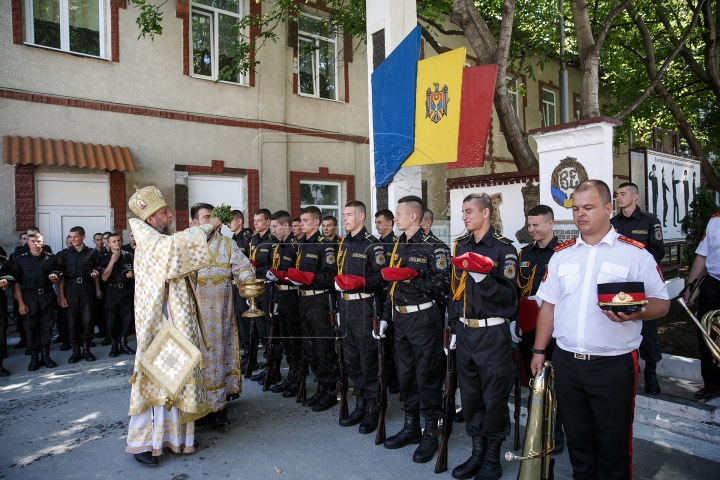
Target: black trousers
<point>243,322</point>
<point>81,302</point>
<point>597,401</point>
<point>359,346</point>
<point>485,373</point>
<point>99,318</point>
<point>420,361</point>
<point>262,324</point>
<point>319,339</point>
<point>62,322</point>
<point>118,310</point>
<point>650,346</point>
<point>290,334</point>
<point>19,322</point>
<point>709,300</point>
<point>390,367</point>
<point>528,340</point>
<point>3,324</point>
<point>38,322</point>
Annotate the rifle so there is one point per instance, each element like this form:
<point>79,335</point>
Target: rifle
<point>448,404</point>
<point>271,348</point>
<point>382,384</point>
<point>252,349</point>
<point>516,414</point>
<point>342,386</point>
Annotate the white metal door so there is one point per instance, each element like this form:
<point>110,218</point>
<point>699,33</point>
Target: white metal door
<point>231,191</point>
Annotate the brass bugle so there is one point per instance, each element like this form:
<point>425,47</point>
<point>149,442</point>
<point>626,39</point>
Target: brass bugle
<point>708,324</point>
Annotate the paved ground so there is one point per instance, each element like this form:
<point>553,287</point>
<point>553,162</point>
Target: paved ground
<point>70,422</point>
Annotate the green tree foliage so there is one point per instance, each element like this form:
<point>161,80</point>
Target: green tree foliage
<point>694,223</point>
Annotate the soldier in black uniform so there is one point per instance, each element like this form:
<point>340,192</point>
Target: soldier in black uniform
<point>130,246</point>
<point>419,274</point>
<point>286,297</point>
<point>314,272</point>
<point>242,240</point>
<point>261,251</point>
<point>644,227</point>
<point>384,225</point>
<point>484,296</point>
<point>79,288</point>
<point>119,293</point>
<point>297,229</point>
<point>360,259</point>
<point>35,274</point>
<point>6,282</point>
<point>98,312</point>
<point>329,228</point>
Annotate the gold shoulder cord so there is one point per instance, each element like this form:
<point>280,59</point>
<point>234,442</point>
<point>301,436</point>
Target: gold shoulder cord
<point>341,257</point>
<point>276,257</point>
<point>458,288</point>
<point>525,288</point>
<point>253,251</point>
<point>392,265</point>
<point>299,255</point>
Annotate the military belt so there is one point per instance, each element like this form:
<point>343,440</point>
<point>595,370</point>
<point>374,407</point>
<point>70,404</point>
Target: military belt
<point>116,285</point>
<point>413,308</point>
<point>309,293</point>
<point>287,287</point>
<point>355,296</point>
<point>482,322</point>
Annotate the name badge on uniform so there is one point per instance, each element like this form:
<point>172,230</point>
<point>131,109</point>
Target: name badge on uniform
<point>524,264</point>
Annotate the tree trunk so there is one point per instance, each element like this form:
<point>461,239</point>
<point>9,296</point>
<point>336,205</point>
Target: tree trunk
<point>589,59</point>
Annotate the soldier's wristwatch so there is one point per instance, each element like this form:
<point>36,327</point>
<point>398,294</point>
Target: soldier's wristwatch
<point>539,352</point>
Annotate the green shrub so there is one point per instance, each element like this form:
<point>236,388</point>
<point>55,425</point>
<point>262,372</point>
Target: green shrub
<point>693,225</point>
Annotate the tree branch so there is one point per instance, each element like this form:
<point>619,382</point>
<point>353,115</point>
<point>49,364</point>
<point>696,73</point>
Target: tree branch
<point>608,22</point>
<point>519,70</point>
<point>440,28</point>
<point>431,40</point>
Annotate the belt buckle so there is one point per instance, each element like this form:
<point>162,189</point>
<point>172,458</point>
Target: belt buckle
<point>40,291</point>
<point>79,280</point>
<point>402,309</point>
<point>473,322</point>
<point>346,296</point>
<point>303,293</point>
<point>121,285</point>
<point>580,356</point>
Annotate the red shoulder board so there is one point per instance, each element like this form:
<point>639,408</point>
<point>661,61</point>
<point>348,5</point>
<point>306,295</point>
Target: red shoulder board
<point>567,244</point>
<point>630,241</point>
<point>660,272</point>
<point>715,215</point>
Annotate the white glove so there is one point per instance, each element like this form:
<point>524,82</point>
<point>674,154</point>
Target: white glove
<point>537,299</point>
<point>478,277</point>
<point>453,340</point>
<point>515,338</point>
<point>296,283</point>
<point>337,287</point>
<point>337,320</point>
<point>381,330</point>
<point>247,302</point>
<point>275,308</point>
<point>269,275</point>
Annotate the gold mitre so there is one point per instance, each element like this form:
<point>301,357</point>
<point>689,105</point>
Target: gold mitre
<point>146,201</point>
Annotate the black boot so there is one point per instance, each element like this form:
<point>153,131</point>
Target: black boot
<point>59,339</point>
<point>45,359</point>
<point>21,344</point>
<point>370,422</point>
<point>327,401</point>
<point>76,356</point>
<point>260,376</point>
<point>114,352</point>
<point>146,458</point>
<point>291,390</point>
<point>410,433</point>
<point>65,346</point>
<point>559,440</point>
<point>124,347</point>
<point>4,372</point>
<point>280,387</point>
<point>87,354</point>
<point>652,385</point>
<point>429,443</point>
<point>34,360</point>
<point>106,341</point>
<point>472,465</point>
<point>491,468</point>
<point>275,375</point>
<point>458,417</point>
<point>315,398</point>
<point>357,415</point>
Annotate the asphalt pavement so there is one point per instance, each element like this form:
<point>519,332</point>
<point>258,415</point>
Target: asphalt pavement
<point>71,422</point>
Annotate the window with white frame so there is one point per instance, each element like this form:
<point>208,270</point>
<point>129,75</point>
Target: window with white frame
<point>317,58</point>
<point>213,34</point>
<point>323,194</point>
<point>548,103</point>
<point>514,96</point>
<point>76,26</point>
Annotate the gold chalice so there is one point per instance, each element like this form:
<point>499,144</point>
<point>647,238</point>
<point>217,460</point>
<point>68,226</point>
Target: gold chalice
<point>252,290</point>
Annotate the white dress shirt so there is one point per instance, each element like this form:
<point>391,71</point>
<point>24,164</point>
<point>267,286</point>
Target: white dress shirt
<point>573,274</point>
<point>709,248</point>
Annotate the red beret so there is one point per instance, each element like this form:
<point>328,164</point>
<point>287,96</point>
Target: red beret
<point>472,262</point>
<point>527,314</point>
<point>254,263</point>
<point>350,282</point>
<point>398,274</point>
<point>279,274</point>
<point>306,278</point>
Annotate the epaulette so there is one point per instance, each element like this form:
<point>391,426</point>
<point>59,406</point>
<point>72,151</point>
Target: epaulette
<point>632,242</point>
<point>502,239</point>
<point>294,241</point>
<point>564,245</point>
<point>272,235</point>
<point>715,215</point>
<point>463,237</point>
<point>3,257</point>
<point>648,214</point>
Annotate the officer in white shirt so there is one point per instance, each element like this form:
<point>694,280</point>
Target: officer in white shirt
<point>707,259</point>
<point>596,359</point>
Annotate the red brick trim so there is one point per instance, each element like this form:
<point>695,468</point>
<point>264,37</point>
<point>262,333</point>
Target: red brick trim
<point>346,71</point>
<point>253,192</point>
<point>323,174</point>
<point>16,9</point>
<point>117,199</point>
<point>182,10</point>
<point>175,115</point>
<point>115,5</point>
<point>182,220</point>
<point>508,178</point>
<point>24,196</point>
<point>255,9</point>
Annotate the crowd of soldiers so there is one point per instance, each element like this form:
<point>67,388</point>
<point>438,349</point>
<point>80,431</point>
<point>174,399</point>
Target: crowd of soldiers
<point>330,300</point>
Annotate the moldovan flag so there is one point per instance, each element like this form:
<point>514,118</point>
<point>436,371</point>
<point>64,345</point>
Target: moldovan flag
<point>437,109</point>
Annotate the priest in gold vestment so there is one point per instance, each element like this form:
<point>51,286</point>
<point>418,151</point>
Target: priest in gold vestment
<point>217,308</point>
<point>166,265</point>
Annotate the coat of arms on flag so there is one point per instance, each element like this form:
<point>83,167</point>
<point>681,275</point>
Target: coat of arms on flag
<point>436,103</point>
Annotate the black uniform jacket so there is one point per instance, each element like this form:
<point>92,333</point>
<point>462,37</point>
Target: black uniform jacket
<point>76,264</point>
<point>261,251</point>
<point>319,256</point>
<point>363,255</point>
<point>643,227</point>
<point>533,262</point>
<point>32,271</point>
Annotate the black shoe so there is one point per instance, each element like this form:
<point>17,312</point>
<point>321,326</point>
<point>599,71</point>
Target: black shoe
<point>114,350</point>
<point>705,394</point>
<point>314,399</point>
<point>394,389</point>
<point>27,351</point>
<point>260,376</point>
<point>206,421</point>
<point>21,344</point>
<point>472,465</point>
<point>280,387</point>
<point>87,354</point>
<point>326,403</point>
<point>65,346</point>
<point>559,440</point>
<point>4,372</point>
<point>491,468</point>
<point>291,391</point>
<point>45,359</point>
<point>124,347</point>
<point>59,339</point>
<point>146,458</point>
<point>429,443</point>
<point>458,418</point>
<point>107,341</point>
<point>372,415</point>
<point>357,415</point>
<point>652,386</point>
<point>76,356</point>
<point>410,433</point>
<point>99,335</point>
<point>92,344</point>
<point>275,375</point>
<point>34,361</point>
